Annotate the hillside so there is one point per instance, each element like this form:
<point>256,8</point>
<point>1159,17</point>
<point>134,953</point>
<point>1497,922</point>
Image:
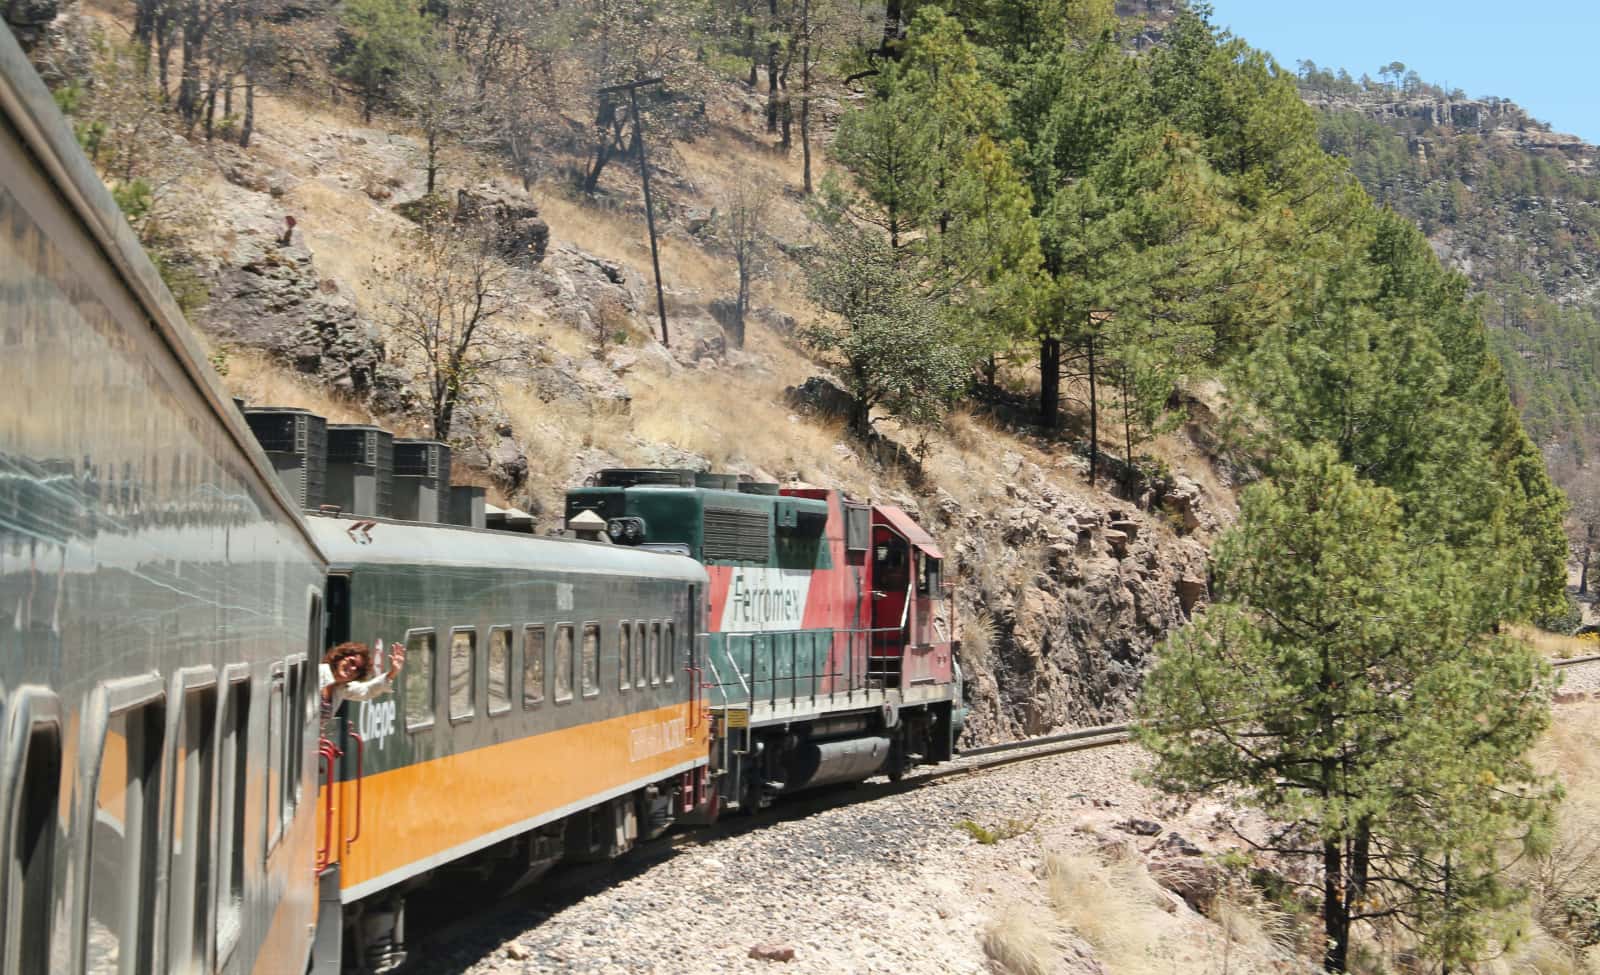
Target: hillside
<point>1511,204</point>
<point>1086,297</point>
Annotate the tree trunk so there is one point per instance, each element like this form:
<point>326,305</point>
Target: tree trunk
<point>805,95</point>
<point>1049,382</point>
<point>750,42</point>
<point>1335,912</point>
<point>163,54</point>
<point>742,306</point>
<point>1094,418</point>
<point>249,126</point>
<point>891,29</point>
<point>772,66</point>
<point>189,80</point>
<point>433,158</point>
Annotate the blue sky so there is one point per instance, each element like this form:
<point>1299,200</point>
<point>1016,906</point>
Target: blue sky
<point>1537,52</point>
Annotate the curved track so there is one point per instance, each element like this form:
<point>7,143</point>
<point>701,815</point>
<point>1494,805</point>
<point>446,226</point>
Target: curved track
<point>473,918</point>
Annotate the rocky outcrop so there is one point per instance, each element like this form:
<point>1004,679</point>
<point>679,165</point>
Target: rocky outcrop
<point>30,20</point>
<point>520,234</point>
<point>1066,597</point>
<point>269,296</point>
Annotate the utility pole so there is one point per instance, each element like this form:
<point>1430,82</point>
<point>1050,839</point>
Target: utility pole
<point>632,88</point>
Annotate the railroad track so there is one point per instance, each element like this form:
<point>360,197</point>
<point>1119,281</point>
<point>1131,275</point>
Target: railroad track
<point>508,916</point>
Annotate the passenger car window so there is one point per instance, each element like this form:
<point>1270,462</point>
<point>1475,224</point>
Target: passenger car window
<point>533,665</point>
<point>591,659</point>
<point>275,760</point>
<point>463,660</point>
<point>122,868</point>
<point>624,654</point>
<point>564,663</point>
<point>640,648</point>
<point>418,677</point>
<point>499,670</point>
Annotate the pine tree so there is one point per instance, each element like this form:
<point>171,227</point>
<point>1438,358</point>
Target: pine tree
<point>380,39</point>
<point>1346,684</point>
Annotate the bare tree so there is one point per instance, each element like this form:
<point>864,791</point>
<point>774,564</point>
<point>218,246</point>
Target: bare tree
<point>1583,523</point>
<point>746,206</point>
<point>440,302</point>
<point>435,91</point>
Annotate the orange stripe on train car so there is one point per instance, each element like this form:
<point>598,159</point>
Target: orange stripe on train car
<point>418,813</point>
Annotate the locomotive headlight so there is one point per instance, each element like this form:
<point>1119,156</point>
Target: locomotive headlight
<point>626,531</point>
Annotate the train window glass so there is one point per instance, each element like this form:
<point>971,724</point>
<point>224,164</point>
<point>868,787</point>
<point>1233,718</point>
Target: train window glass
<point>928,575</point>
<point>533,665</point>
<point>189,877</point>
<point>624,654</point>
<point>655,653</point>
<point>276,706</point>
<point>564,667</point>
<point>591,659</point>
<point>669,652</point>
<point>33,842</point>
<point>463,658</point>
<point>500,670</point>
<point>418,678</point>
<point>122,844</point>
<point>233,776</point>
<point>294,734</point>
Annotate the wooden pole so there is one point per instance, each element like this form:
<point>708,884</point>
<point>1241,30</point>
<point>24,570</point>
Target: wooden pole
<point>649,209</point>
<point>632,88</point>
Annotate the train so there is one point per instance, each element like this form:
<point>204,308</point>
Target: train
<point>174,565</point>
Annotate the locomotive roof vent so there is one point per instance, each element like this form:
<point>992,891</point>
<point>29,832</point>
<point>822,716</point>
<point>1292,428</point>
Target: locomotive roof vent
<point>716,482</point>
<point>507,519</point>
<point>360,469</point>
<point>466,506</point>
<point>626,477</point>
<point>296,443</point>
<point>763,488</point>
<point>421,480</point>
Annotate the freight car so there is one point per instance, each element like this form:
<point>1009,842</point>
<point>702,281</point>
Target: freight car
<point>162,604</point>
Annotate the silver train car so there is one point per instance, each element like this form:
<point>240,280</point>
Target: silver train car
<point>160,609</point>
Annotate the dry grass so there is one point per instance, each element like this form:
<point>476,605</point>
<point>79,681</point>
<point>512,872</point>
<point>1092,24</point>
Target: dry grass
<point>1555,645</point>
<point>261,382</point>
<point>1018,941</point>
<point>1112,906</point>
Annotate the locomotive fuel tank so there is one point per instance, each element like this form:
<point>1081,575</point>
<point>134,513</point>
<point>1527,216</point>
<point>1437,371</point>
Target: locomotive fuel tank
<point>817,763</point>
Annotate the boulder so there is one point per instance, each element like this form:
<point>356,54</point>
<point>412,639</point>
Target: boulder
<point>697,219</point>
<point>819,396</point>
<point>772,953</point>
<point>1191,589</point>
<point>271,298</point>
<point>30,20</point>
<point>520,234</point>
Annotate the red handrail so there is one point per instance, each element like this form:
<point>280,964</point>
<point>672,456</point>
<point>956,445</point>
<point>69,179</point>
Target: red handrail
<point>361,754</point>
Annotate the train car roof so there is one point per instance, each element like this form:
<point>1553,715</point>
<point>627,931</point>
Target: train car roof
<point>28,106</point>
<point>351,541</point>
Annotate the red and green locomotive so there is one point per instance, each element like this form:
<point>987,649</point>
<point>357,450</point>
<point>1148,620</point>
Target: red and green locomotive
<point>827,652</point>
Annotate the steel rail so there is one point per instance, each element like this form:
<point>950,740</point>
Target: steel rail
<point>1114,734</point>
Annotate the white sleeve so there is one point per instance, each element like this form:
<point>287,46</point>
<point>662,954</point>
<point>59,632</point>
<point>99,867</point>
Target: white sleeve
<point>366,690</point>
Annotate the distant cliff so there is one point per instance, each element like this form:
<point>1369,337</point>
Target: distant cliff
<point>1509,202</point>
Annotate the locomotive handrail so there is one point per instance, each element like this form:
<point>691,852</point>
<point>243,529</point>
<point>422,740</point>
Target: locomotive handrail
<point>327,755</point>
<point>361,758</point>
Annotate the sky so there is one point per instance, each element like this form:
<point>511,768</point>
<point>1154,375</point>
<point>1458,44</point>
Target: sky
<point>1536,53</point>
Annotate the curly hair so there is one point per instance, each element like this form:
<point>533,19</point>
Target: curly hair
<point>343,650</point>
